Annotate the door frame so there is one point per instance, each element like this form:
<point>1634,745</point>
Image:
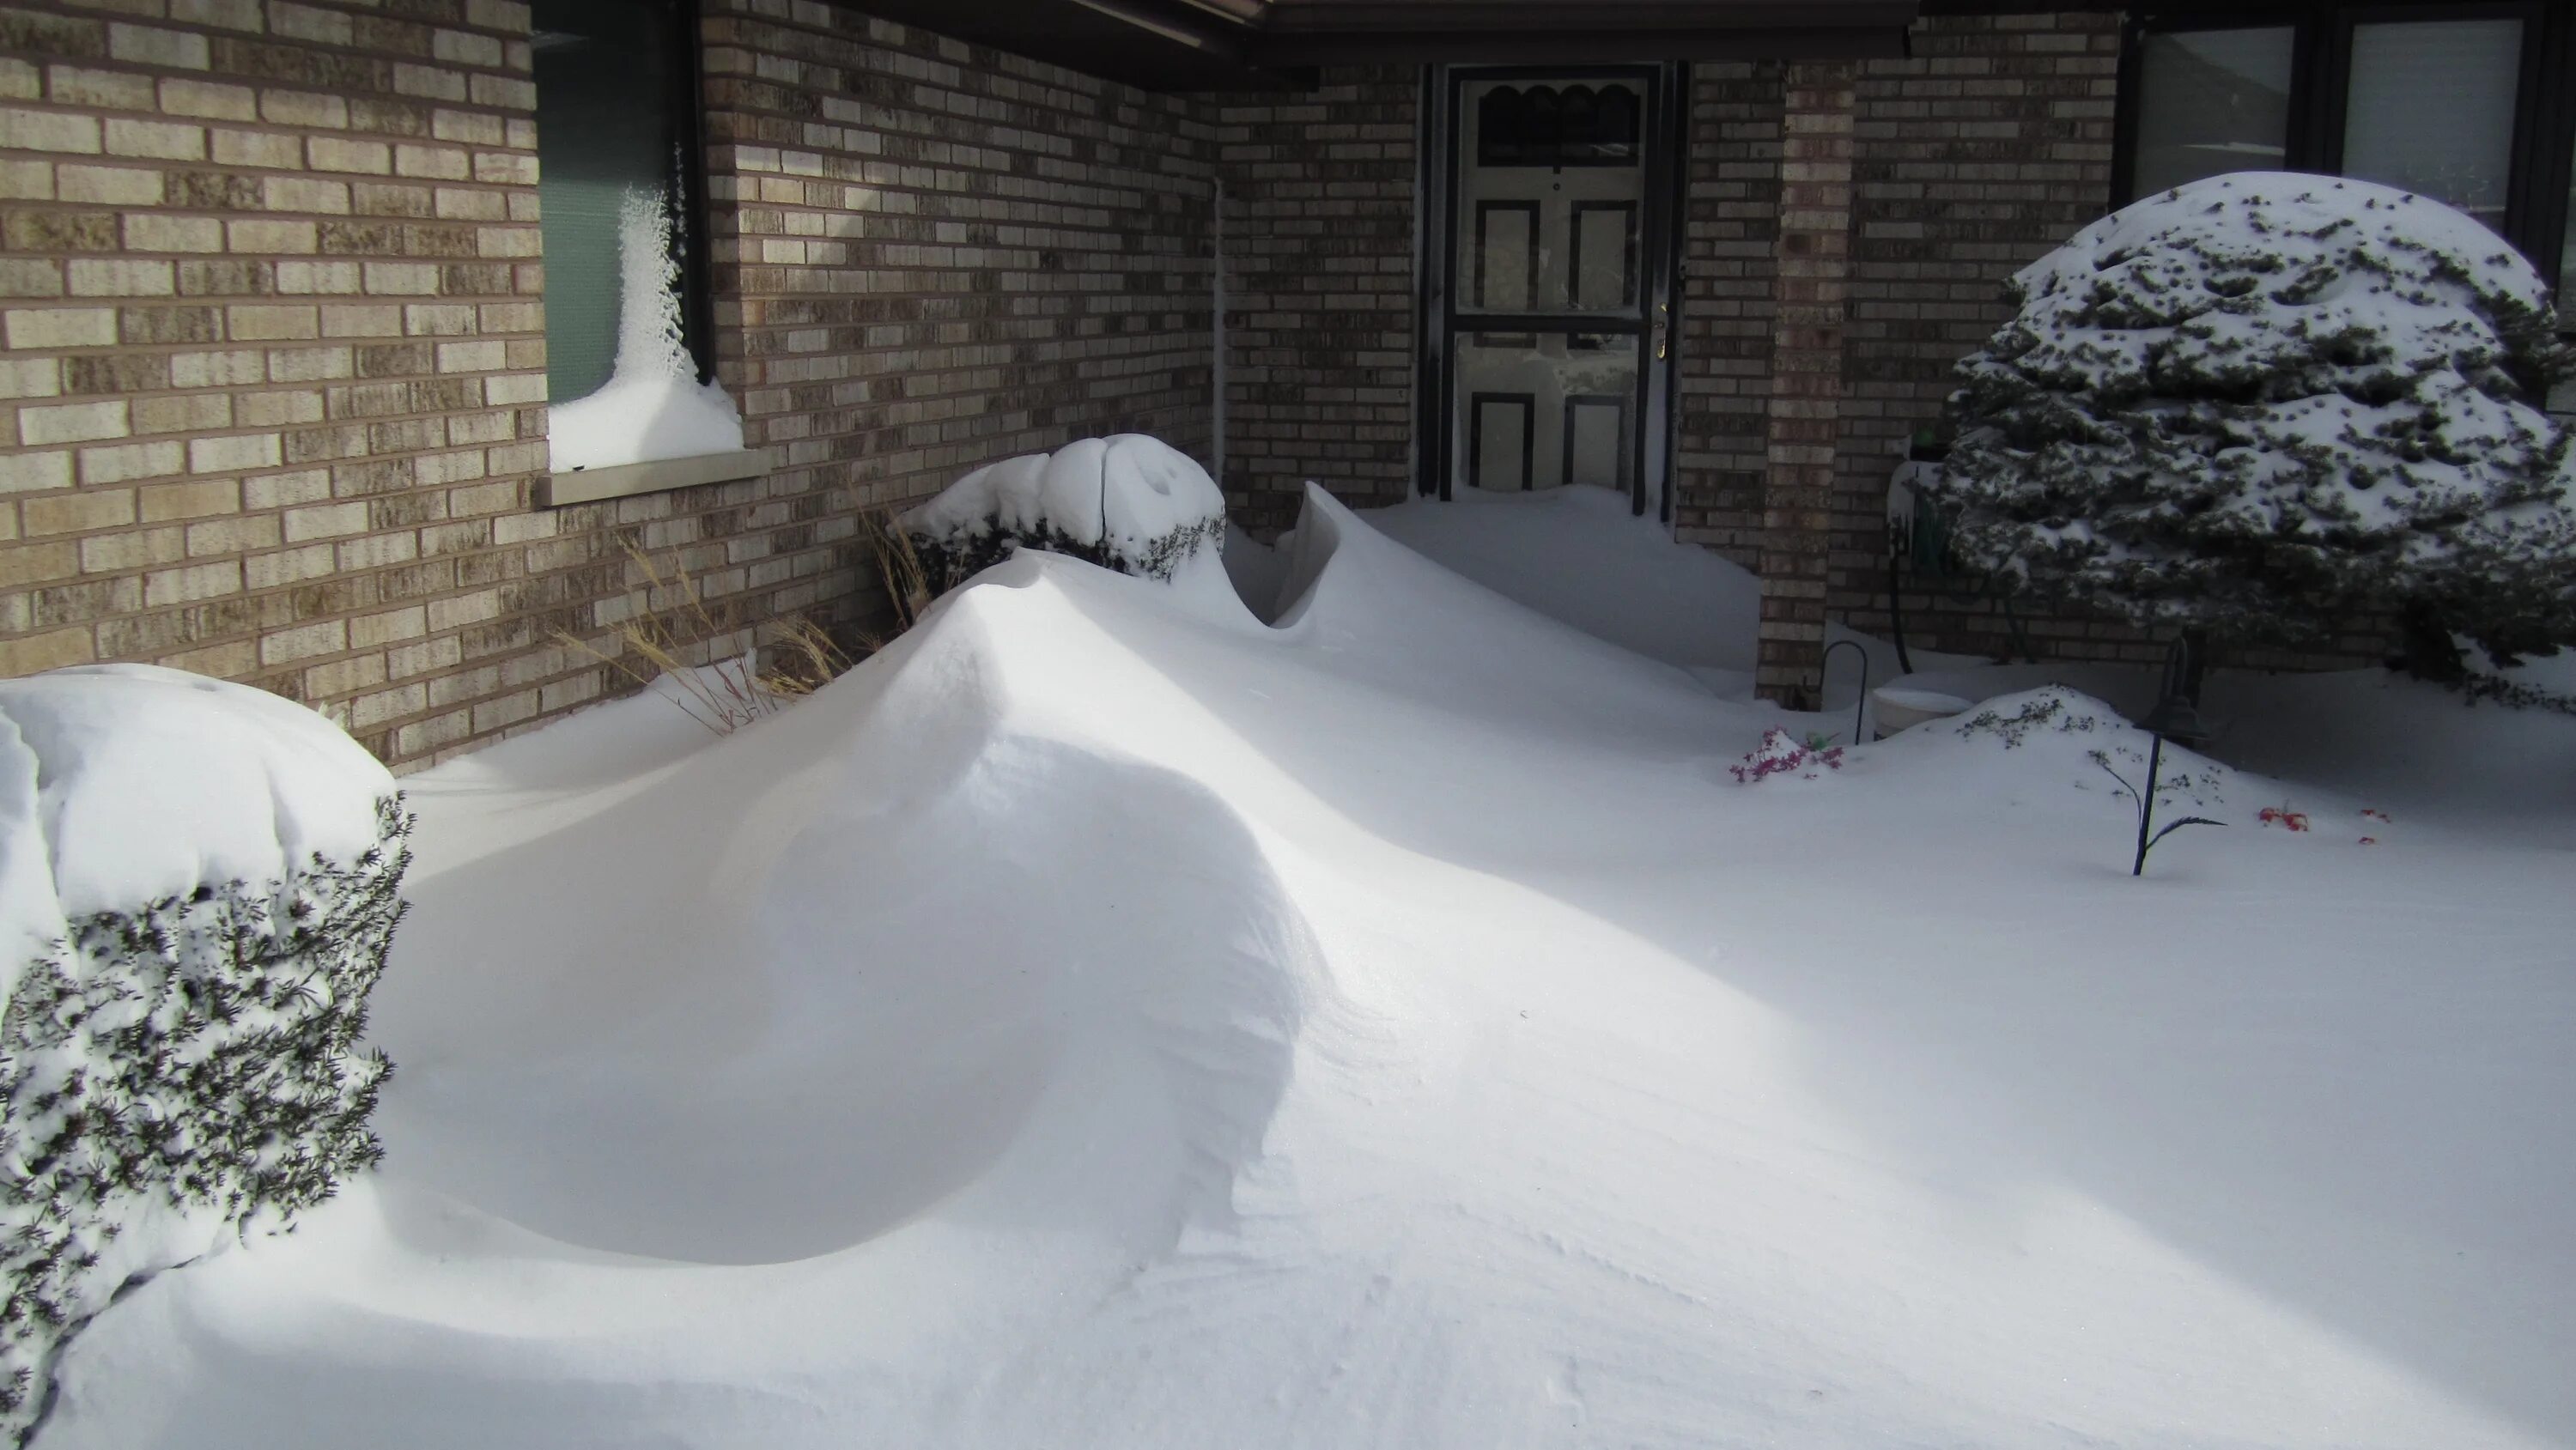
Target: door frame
<point>1438,314</point>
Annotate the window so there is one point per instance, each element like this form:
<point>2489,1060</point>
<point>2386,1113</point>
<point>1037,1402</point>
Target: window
<point>2218,101</point>
<point>2430,107</point>
<point>2443,100</point>
<point>618,185</point>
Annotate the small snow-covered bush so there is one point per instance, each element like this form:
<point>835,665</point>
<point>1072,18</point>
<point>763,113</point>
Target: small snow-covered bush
<point>1129,502</point>
<point>2261,403</point>
<point>198,887</point>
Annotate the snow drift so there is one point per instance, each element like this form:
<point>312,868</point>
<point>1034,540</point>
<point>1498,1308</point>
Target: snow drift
<point>1102,1019</point>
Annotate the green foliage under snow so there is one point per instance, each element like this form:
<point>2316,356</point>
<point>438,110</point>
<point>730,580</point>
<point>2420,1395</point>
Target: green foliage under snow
<point>2260,404</point>
<point>184,1069</point>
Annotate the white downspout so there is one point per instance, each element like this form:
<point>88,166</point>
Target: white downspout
<point>1216,313</point>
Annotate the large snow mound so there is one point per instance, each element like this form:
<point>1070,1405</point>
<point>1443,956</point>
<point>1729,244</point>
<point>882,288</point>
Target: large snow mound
<point>1104,1019</point>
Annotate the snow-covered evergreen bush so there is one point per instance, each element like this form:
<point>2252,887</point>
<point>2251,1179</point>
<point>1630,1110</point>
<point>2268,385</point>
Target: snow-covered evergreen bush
<point>198,890</point>
<point>1128,502</point>
<point>2261,403</point>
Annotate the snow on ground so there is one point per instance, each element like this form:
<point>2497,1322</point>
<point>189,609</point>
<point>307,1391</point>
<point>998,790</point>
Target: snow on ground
<point>1105,1020</point>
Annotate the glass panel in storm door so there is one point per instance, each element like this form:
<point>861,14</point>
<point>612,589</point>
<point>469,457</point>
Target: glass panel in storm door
<point>1541,410</point>
<point>1551,196</point>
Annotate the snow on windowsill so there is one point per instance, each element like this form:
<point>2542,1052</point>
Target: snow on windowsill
<point>653,409</point>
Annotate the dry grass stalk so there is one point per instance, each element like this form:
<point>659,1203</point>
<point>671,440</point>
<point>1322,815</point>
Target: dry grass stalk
<point>731,692</point>
<point>907,583</point>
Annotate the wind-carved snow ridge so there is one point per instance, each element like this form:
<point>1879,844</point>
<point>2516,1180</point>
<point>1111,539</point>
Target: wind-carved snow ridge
<point>652,405</point>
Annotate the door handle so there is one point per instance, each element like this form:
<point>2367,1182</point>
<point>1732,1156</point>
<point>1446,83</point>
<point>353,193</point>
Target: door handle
<point>1663,331</point>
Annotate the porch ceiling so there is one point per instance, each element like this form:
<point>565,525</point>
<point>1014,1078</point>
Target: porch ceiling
<point>1183,45</point>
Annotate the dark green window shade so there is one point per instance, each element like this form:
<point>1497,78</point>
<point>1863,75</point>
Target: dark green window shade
<point>603,130</point>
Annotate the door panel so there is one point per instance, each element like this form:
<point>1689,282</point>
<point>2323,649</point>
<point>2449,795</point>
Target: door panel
<point>1549,317</point>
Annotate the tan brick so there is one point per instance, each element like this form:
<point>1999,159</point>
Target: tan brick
<point>222,14</point>
<point>374,631</point>
<point>217,369</point>
<point>292,566</point>
<point>255,148</point>
<point>235,535</point>
<point>121,277</point>
<point>276,410</point>
<point>297,193</point>
<point>183,413</point>
<point>49,131</point>
<point>72,422</point>
<point>145,232</point>
<point>27,472</point>
<point>323,637</point>
<point>228,661</point>
<point>192,582</point>
<point>209,101</point>
<point>150,45</point>
<point>270,236</point>
<point>436,163</point>
<point>373,158</point>
<point>247,322</point>
<point>400,278</point>
<point>71,85</point>
<point>304,108</point>
<point>306,22</point>
<point>60,327</point>
<point>219,455</point>
<point>25,564</point>
<point>346,321</point>
<point>26,180</point>
<point>126,462</point>
<point>470,357</point>
<point>278,490</point>
<point>33,653</point>
<point>20,80</point>
<point>31,377</point>
<point>79,512</point>
<point>325,521</point>
<point>160,503</point>
<point>109,185</point>
<point>342,677</point>
<point>131,550</point>
<point>327,279</point>
<point>158,140</point>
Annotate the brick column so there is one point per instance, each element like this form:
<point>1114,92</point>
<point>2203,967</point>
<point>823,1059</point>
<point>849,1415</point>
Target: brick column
<point>1811,288</point>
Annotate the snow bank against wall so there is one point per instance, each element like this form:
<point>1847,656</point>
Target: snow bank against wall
<point>197,890</point>
<point>1127,502</point>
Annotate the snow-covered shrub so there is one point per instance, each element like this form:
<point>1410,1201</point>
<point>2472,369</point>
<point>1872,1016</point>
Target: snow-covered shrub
<point>1129,502</point>
<point>198,886</point>
<point>2260,403</point>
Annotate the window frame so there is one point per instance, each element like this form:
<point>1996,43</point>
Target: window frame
<point>2544,131</point>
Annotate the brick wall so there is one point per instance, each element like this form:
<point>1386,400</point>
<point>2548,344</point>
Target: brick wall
<point>1320,198</point>
<point>1730,224</point>
<point>1811,298</point>
<point>270,336</point>
<point>1976,156</point>
<point>272,342</point>
<point>931,256</point>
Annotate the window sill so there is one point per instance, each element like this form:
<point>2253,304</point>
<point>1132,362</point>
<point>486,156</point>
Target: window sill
<point>625,480</point>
